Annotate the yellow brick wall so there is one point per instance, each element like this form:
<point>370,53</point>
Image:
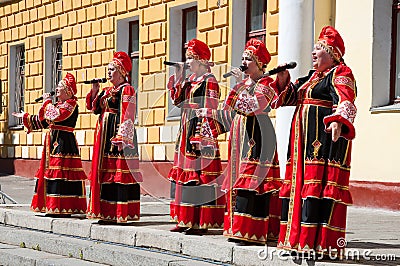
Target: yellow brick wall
<point>88,29</point>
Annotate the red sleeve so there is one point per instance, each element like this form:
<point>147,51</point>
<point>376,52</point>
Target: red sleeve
<point>210,125</point>
<point>126,128</point>
<point>344,95</point>
<point>212,93</point>
<point>43,109</point>
<point>32,122</point>
<point>175,88</point>
<point>264,92</point>
<point>285,96</point>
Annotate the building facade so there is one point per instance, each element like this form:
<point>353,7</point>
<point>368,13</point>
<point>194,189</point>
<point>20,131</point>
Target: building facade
<point>41,40</point>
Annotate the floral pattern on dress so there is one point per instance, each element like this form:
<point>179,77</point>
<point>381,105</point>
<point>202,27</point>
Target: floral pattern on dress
<point>51,112</point>
<point>246,103</point>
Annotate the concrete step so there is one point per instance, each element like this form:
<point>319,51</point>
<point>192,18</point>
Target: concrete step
<point>30,247</point>
<point>149,242</point>
<point>14,255</point>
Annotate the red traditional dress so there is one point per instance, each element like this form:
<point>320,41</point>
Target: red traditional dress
<point>315,192</point>
<point>60,185</point>
<point>252,176</point>
<point>115,176</point>
<point>197,201</point>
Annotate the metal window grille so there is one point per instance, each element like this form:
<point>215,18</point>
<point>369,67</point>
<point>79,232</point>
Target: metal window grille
<point>57,53</point>
<point>19,82</point>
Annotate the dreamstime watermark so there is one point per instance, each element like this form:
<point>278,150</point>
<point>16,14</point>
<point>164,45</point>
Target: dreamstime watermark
<point>349,254</point>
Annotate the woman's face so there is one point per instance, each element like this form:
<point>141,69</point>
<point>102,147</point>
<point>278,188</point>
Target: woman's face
<point>321,59</point>
<point>114,75</point>
<point>62,93</point>
<point>248,61</point>
<point>194,65</point>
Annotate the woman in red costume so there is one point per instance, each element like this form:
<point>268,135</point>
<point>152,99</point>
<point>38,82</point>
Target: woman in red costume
<point>315,193</point>
<point>60,185</point>
<point>115,176</point>
<point>252,177</point>
<point>197,202</point>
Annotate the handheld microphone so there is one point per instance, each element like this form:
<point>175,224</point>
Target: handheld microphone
<point>175,64</point>
<point>41,97</point>
<point>280,69</point>
<point>230,73</point>
<point>97,80</point>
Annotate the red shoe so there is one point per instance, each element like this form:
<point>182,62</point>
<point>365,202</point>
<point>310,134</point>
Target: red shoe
<point>178,229</point>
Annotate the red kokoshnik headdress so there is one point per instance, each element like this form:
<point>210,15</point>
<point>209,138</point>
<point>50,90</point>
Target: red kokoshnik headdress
<point>199,51</point>
<point>332,41</point>
<point>122,62</point>
<point>69,83</point>
<point>257,50</point>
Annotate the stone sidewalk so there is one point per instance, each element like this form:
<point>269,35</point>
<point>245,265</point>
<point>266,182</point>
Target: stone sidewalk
<point>372,237</point>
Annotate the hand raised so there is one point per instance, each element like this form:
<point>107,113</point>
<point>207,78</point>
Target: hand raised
<point>19,115</point>
<point>237,73</point>
<point>46,96</point>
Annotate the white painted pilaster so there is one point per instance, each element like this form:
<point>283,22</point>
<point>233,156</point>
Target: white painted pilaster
<point>296,39</point>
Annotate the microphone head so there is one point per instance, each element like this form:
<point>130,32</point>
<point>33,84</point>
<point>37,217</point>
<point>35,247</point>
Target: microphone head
<point>52,93</point>
<point>291,65</point>
<point>103,80</point>
<point>242,68</point>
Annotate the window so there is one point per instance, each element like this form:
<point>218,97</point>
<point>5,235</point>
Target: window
<point>53,63</point>
<point>255,27</point>
<point>2,103</point>
<point>128,41</point>
<point>189,28</point>
<point>183,28</point>
<point>395,58</point>
<point>134,54</point>
<point>56,73</point>
<point>17,84</point>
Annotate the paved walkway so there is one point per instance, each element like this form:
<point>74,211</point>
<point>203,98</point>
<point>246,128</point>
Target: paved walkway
<point>373,236</point>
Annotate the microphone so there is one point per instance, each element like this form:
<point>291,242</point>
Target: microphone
<point>175,64</point>
<point>98,80</point>
<point>41,97</point>
<point>280,69</point>
<point>230,73</point>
